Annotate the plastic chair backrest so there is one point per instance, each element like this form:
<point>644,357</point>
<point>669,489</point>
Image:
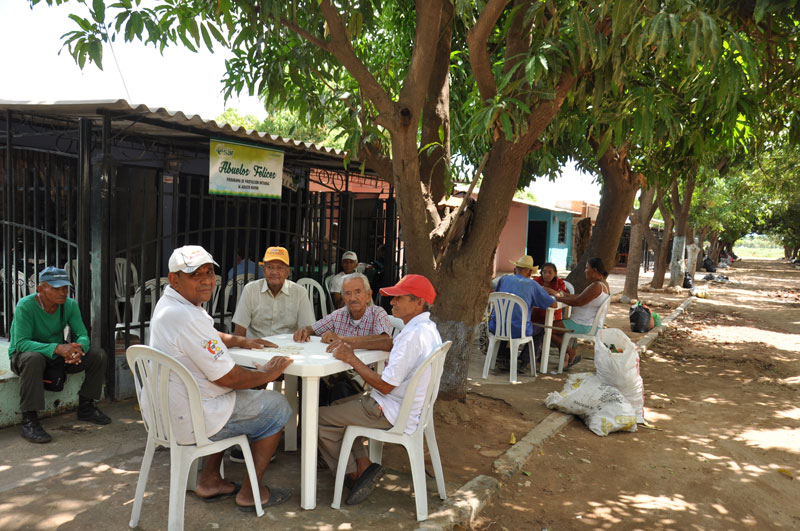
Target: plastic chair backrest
<point>600,316</point>
<point>21,286</point>
<point>361,267</point>
<point>151,373</point>
<point>213,302</point>
<point>154,288</point>
<point>312,287</point>
<point>327,282</point>
<point>397,325</point>
<point>121,283</point>
<point>239,282</point>
<point>504,305</point>
<point>570,287</point>
<point>434,364</point>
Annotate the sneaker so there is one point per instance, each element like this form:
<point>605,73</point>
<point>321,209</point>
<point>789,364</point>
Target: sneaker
<point>32,431</point>
<point>365,484</point>
<point>88,412</point>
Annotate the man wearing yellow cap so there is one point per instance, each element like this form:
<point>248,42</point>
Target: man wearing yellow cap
<point>272,305</point>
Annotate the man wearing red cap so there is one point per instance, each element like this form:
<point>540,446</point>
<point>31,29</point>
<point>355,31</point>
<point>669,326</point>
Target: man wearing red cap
<point>379,408</point>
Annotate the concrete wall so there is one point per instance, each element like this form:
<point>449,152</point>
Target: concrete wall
<point>55,403</point>
<point>512,239</point>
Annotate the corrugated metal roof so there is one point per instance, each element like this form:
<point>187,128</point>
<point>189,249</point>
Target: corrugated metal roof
<point>140,118</point>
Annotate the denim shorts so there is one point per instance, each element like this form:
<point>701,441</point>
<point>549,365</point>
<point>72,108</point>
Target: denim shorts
<point>257,414</point>
<point>579,328</point>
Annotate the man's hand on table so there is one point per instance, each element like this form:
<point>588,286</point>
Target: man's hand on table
<point>275,366</point>
<point>302,335</point>
<point>255,343</point>
<point>330,337</point>
<point>342,351</point>
<point>71,352</point>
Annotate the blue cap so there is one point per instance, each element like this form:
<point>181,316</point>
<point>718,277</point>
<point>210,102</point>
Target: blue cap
<point>55,276</point>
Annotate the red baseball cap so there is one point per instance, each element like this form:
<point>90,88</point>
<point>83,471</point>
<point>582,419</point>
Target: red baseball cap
<point>416,285</point>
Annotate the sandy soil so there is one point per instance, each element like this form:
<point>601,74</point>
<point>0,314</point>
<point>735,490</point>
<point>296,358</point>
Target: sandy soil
<point>721,390</point>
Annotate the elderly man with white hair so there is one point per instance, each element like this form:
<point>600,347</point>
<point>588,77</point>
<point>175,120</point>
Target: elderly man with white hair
<point>359,322</point>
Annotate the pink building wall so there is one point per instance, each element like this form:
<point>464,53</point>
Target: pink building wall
<point>513,239</point>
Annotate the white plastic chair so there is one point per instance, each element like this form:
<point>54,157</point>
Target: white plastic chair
<point>153,289</point>
<point>124,278</point>
<point>238,283</point>
<point>21,286</point>
<point>570,287</point>
<point>503,305</point>
<point>151,372</point>
<point>312,287</point>
<point>397,325</point>
<point>597,324</point>
<point>413,442</point>
<point>213,302</point>
<point>566,312</point>
<point>328,281</point>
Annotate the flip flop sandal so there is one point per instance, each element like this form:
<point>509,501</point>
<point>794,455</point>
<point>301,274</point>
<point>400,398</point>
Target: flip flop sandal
<point>222,495</point>
<point>575,360</point>
<point>276,497</point>
<point>365,484</point>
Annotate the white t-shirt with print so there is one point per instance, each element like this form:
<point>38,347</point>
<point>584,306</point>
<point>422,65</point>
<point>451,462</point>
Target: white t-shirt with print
<point>187,333</point>
<point>411,347</point>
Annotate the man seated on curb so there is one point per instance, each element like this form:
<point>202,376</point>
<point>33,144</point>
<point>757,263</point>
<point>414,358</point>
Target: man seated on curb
<point>378,408</point>
<point>272,305</point>
<point>182,328</point>
<point>37,346</point>
<point>359,323</point>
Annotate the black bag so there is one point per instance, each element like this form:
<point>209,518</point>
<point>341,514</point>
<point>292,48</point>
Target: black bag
<point>688,281</point>
<point>336,387</point>
<point>641,318</point>
<point>55,374</point>
<point>708,265</point>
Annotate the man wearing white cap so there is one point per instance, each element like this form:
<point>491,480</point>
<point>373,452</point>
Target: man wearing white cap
<point>182,328</point>
<point>349,263</point>
<point>534,295</point>
<point>42,359</point>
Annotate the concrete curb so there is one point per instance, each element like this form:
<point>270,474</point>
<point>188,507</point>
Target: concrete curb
<point>467,502</point>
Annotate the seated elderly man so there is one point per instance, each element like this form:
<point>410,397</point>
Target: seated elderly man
<point>360,323</point>
<point>379,408</point>
<point>272,305</point>
<point>534,295</point>
<point>38,352</point>
<point>182,328</point>
<point>349,263</point>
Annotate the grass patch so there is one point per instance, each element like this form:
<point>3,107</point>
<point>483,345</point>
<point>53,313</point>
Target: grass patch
<point>759,252</point>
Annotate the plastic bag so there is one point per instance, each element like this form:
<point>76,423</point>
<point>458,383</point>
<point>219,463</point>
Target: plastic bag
<point>602,407</point>
<point>620,367</point>
<point>641,318</point>
<point>688,280</point>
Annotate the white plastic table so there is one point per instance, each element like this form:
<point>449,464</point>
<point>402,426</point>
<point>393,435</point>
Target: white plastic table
<point>311,362</point>
<point>548,334</point>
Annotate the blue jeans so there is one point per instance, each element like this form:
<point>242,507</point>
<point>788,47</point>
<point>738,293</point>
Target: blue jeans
<point>257,414</point>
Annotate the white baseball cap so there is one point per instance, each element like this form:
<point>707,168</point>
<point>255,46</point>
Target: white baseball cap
<point>188,258</point>
<point>350,255</point>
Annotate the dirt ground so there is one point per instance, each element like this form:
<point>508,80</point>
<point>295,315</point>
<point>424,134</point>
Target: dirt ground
<point>721,390</point>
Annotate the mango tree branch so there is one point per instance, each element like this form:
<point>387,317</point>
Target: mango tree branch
<point>477,40</point>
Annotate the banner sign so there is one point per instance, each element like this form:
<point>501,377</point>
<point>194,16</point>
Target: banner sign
<point>242,169</point>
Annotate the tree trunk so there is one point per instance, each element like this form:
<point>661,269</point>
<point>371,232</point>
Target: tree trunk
<point>661,249</point>
<point>620,185</point>
<point>680,208</point>
<point>693,249</point>
<point>640,222</point>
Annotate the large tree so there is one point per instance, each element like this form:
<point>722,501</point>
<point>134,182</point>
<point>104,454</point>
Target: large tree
<point>384,71</point>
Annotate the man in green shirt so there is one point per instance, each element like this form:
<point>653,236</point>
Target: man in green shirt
<point>37,344</point>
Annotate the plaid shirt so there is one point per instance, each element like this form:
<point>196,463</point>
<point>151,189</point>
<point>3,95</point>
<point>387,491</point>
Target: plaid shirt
<point>375,321</point>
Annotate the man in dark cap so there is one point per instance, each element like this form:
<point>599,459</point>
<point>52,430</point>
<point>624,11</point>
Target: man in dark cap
<point>41,357</point>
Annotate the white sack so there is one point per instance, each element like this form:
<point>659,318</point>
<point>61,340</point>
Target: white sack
<point>601,406</point>
<point>620,369</point>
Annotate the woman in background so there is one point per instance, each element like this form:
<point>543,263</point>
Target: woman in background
<point>548,279</point>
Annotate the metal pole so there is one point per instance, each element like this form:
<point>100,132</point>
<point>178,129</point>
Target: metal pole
<point>83,292</point>
<point>8,234</point>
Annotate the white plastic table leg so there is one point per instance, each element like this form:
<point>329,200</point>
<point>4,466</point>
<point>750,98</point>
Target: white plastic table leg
<point>548,334</point>
<point>308,450</point>
<point>290,431</point>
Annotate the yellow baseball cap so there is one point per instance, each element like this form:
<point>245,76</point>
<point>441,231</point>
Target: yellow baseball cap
<point>277,253</point>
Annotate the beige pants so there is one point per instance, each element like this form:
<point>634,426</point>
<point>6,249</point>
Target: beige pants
<point>356,410</point>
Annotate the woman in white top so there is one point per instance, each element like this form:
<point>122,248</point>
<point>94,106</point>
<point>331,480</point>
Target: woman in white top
<point>585,305</point>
